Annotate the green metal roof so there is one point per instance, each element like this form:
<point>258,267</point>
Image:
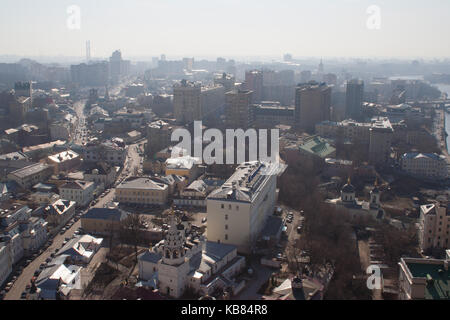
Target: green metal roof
<point>439,287</point>
<point>318,146</point>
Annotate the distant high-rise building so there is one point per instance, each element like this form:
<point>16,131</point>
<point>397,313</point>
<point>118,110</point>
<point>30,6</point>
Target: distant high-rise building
<point>221,64</point>
<point>211,99</point>
<point>88,51</point>
<point>254,82</point>
<point>23,89</point>
<point>118,67</point>
<point>321,67</point>
<point>226,80</point>
<point>192,101</point>
<point>287,57</point>
<point>186,102</point>
<point>188,63</point>
<point>239,109</point>
<point>354,99</point>
<point>312,104</point>
<point>93,74</point>
<point>279,86</point>
<point>305,76</point>
<point>381,134</point>
<point>330,78</point>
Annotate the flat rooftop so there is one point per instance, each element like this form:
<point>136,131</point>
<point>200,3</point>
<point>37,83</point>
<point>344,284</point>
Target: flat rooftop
<point>439,288</point>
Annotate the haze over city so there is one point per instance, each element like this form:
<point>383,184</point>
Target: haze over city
<point>233,28</point>
<point>244,153</point>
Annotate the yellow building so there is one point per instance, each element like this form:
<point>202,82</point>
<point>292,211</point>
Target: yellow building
<point>144,191</point>
<point>102,221</point>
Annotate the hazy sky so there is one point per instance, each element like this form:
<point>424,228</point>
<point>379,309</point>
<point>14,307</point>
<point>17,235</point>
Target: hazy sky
<point>408,28</point>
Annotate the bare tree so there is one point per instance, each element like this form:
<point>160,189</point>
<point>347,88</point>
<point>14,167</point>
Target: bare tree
<point>130,230</point>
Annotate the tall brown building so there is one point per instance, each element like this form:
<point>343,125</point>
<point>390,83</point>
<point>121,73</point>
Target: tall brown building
<point>312,104</point>
<point>192,101</point>
<point>239,109</point>
<point>254,82</point>
<point>186,102</point>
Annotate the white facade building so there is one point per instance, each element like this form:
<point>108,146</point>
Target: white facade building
<point>5,262</point>
<point>238,210</point>
<point>35,234</point>
<point>82,192</point>
<point>425,165</point>
<point>434,227</point>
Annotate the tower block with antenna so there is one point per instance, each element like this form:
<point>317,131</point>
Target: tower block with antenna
<point>88,51</point>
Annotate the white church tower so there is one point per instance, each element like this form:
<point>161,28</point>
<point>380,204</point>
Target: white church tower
<point>173,268</point>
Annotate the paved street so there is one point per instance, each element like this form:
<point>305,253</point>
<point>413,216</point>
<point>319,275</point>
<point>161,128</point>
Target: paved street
<point>28,272</point>
<point>133,160</point>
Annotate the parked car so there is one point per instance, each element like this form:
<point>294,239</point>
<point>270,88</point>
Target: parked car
<point>299,229</point>
<point>23,295</point>
<point>204,220</point>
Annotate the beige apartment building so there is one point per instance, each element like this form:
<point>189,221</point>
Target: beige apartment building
<point>80,191</point>
<point>192,101</point>
<point>381,134</point>
<point>239,209</point>
<point>434,226</point>
<point>312,105</point>
<point>143,191</point>
<point>239,111</point>
<point>186,102</point>
<point>31,175</point>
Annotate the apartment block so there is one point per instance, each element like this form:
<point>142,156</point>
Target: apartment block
<point>434,226</point>
<point>239,209</point>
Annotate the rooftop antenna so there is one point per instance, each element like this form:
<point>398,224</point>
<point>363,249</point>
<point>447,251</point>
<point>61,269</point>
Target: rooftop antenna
<point>88,50</point>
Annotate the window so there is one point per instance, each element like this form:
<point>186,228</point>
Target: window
<point>237,208</point>
<point>226,217</point>
<point>226,227</point>
<point>222,206</point>
<point>226,237</point>
<point>229,207</point>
